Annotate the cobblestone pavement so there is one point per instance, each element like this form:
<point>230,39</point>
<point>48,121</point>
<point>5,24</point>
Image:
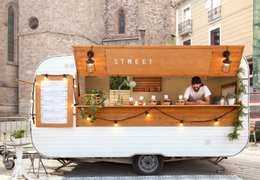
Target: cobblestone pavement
<point>246,166</point>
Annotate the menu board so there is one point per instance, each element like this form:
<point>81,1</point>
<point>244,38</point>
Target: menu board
<point>54,99</point>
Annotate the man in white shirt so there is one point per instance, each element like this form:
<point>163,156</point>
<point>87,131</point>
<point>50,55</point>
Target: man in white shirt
<point>197,92</point>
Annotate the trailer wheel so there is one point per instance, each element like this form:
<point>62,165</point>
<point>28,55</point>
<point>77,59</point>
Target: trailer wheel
<point>147,164</point>
<point>9,164</point>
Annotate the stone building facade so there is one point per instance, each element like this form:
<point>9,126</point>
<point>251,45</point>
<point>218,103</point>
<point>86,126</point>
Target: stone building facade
<point>147,21</point>
<point>8,65</point>
<point>47,28</point>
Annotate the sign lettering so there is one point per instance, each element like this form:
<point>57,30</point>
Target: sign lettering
<point>129,61</point>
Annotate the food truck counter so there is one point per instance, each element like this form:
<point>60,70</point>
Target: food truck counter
<point>159,115</point>
<point>161,106</point>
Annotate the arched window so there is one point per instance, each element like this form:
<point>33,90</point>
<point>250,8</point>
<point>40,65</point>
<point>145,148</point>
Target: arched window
<point>121,21</point>
<point>11,33</point>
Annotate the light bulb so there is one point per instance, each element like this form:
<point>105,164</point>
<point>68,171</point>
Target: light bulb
<point>147,114</point>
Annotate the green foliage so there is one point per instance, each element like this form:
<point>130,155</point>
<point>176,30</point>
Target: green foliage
<point>17,134</point>
<point>94,101</point>
<point>116,81</point>
<point>233,136</point>
<point>241,87</point>
<point>238,124</point>
<point>171,42</point>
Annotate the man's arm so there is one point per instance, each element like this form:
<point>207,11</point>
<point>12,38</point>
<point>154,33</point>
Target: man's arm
<point>207,96</point>
<point>206,101</point>
<point>190,102</point>
<point>187,97</point>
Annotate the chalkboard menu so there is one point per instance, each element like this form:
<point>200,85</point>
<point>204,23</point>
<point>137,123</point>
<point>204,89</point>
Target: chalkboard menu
<point>54,99</point>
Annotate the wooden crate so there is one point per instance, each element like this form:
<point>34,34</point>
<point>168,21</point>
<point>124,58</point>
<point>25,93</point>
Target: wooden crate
<point>124,96</point>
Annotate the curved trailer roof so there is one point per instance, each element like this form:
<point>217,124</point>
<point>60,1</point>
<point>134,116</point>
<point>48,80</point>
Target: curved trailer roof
<point>57,66</point>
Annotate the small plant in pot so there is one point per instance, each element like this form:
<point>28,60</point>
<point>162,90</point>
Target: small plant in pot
<point>18,136</point>
<point>231,98</point>
<point>94,100</point>
<point>120,89</point>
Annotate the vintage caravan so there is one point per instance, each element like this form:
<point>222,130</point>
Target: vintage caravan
<point>144,120</point>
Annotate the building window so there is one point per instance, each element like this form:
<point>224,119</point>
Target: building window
<point>186,14</point>
<point>214,10</point>
<point>11,34</point>
<point>187,42</point>
<point>121,22</point>
<point>215,36</point>
<point>250,63</point>
<point>212,4</point>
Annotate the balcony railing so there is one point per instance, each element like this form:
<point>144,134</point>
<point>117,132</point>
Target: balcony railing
<point>214,14</point>
<point>185,27</point>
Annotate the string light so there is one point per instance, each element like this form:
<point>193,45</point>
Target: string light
<point>64,77</point>
<point>89,118</point>
<point>75,86</point>
<point>181,123</point>
<point>31,101</point>
<point>147,114</point>
<point>46,77</point>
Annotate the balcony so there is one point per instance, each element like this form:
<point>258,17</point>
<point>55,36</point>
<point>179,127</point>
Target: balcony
<point>185,27</point>
<point>214,14</point>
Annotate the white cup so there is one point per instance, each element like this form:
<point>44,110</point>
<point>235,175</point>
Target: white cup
<point>141,98</point>
<point>181,97</point>
<point>166,96</point>
<point>153,98</point>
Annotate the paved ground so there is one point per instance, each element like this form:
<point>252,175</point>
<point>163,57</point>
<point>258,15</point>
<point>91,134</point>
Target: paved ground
<point>246,166</point>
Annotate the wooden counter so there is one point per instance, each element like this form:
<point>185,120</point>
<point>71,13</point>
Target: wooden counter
<point>159,106</point>
<point>162,115</point>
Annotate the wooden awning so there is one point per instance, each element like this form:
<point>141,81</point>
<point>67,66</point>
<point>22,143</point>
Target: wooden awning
<point>158,60</point>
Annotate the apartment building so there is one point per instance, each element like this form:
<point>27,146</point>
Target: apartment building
<point>215,22</point>
<point>219,22</point>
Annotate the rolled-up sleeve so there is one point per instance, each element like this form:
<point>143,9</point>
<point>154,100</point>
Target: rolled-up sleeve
<point>207,91</point>
<point>187,93</point>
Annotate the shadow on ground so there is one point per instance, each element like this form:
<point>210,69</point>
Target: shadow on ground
<point>188,167</point>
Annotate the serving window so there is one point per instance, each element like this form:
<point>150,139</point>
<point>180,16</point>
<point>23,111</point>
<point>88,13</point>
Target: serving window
<point>155,101</point>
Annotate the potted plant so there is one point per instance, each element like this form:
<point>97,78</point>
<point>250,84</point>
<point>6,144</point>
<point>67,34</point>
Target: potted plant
<point>94,100</point>
<point>231,98</point>
<point>120,89</point>
<point>18,140</point>
<point>17,137</point>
